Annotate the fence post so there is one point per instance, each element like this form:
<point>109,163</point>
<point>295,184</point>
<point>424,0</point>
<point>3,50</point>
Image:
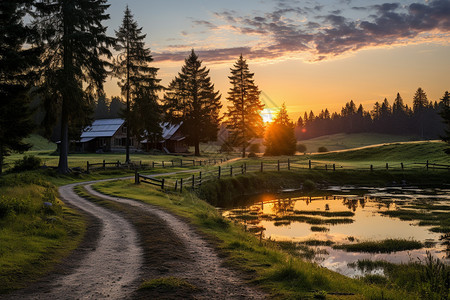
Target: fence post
<point>371,168</point>
<point>387,166</point>
<point>193,181</point>
<point>278,165</point>
<point>242,169</point>
<point>136,177</point>
<point>153,164</point>
<point>219,171</point>
<point>289,164</point>
<point>193,162</point>
<point>326,167</point>
<point>401,164</point>
<point>200,177</point>
<point>309,163</point>
<point>181,185</point>
<point>334,167</point>
<point>231,171</point>
<point>181,162</point>
<point>172,163</point>
<point>176,185</point>
<point>104,165</point>
<point>118,163</point>
<point>162,184</point>
<point>87,166</point>
<point>245,168</point>
<point>162,164</point>
<point>262,167</point>
<point>427,165</point>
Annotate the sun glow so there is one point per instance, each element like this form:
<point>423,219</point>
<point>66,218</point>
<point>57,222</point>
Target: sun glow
<point>268,114</point>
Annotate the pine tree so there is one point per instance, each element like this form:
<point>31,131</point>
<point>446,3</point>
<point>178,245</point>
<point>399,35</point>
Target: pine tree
<point>74,65</point>
<point>398,107</point>
<point>191,98</point>
<point>101,108</point>
<point>244,119</point>
<point>116,107</point>
<point>280,137</point>
<point>137,80</point>
<point>445,114</point>
<point>420,101</point>
<point>16,76</point>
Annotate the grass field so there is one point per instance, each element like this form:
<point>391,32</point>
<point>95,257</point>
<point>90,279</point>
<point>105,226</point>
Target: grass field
<point>343,141</point>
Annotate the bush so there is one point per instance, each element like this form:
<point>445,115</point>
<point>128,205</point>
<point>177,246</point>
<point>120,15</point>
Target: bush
<point>28,162</point>
<point>226,148</point>
<point>322,149</point>
<point>252,155</point>
<point>309,185</point>
<point>301,148</point>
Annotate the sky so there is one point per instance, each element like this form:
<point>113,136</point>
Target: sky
<point>310,55</point>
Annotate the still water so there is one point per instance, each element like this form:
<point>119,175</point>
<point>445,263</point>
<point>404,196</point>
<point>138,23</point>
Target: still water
<point>346,215</point>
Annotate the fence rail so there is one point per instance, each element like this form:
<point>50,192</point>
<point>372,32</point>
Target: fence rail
<point>153,164</point>
<point>193,181</point>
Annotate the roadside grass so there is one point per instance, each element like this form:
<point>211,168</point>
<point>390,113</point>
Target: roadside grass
<point>263,263</point>
<point>383,246</point>
<point>34,236</point>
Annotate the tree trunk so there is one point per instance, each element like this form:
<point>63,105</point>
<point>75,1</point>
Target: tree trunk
<point>63,167</point>
<point>243,151</point>
<point>197,148</point>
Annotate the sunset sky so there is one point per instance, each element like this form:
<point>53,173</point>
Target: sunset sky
<point>308,54</point>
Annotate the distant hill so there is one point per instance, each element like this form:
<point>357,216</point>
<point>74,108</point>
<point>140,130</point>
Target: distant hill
<point>343,141</point>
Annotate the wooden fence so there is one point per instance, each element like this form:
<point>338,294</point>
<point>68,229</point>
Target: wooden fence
<point>153,164</point>
<point>193,181</point>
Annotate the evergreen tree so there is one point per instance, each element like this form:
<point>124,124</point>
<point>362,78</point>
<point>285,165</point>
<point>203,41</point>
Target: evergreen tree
<point>73,63</point>
<point>398,107</point>
<point>280,137</point>
<point>116,108</point>
<point>191,98</point>
<point>420,101</point>
<point>16,64</point>
<point>445,114</point>
<point>244,119</point>
<point>137,80</point>
<point>101,108</point>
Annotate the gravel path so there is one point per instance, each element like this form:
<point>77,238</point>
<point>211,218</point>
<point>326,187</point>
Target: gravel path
<point>106,271</point>
<point>203,267</point>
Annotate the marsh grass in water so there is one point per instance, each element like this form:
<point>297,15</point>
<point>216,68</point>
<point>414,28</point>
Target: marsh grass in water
<point>384,246</point>
<point>319,229</point>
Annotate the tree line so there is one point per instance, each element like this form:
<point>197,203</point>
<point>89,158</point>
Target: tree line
<point>423,119</point>
<point>63,55</point>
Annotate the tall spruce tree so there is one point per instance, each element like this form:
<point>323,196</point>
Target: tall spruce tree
<point>16,76</point>
<point>190,97</point>
<point>74,65</point>
<point>445,114</point>
<point>137,81</point>
<point>280,137</point>
<point>244,118</point>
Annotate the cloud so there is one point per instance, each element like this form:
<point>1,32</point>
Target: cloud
<point>293,30</point>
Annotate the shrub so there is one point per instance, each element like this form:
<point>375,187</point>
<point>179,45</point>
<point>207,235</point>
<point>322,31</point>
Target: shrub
<point>309,185</point>
<point>226,147</point>
<point>252,155</point>
<point>28,162</point>
<point>301,148</point>
<point>322,149</point>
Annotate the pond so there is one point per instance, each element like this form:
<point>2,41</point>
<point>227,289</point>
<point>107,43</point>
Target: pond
<point>317,226</point>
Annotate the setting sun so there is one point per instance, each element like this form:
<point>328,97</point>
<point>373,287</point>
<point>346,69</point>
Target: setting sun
<point>268,114</point>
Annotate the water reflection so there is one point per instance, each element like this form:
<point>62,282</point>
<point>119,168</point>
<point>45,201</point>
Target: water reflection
<point>323,221</point>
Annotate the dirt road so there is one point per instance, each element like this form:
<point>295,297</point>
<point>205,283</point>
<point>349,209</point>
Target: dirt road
<point>114,264</point>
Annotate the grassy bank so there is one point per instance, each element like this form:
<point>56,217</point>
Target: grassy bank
<point>225,192</point>
<point>262,262</point>
<point>36,230</point>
